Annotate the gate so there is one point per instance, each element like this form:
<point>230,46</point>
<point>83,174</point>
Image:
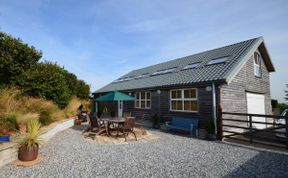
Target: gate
<point>241,127</point>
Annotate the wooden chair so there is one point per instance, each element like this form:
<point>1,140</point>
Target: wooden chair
<point>128,127</point>
<point>94,126</point>
<point>127,114</point>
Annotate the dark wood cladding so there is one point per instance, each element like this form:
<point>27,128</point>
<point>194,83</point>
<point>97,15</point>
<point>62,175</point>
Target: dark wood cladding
<point>160,104</point>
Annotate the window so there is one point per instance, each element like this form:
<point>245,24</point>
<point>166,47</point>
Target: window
<point>184,100</point>
<point>143,100</point>
<point>141,76</point>
<point>159,72</point>
<point>191,66</point>
<point>218,60</point>
<point>123,79</point>
<point>257,64</point>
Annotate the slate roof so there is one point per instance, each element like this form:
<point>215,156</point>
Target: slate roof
<point>235,54</point>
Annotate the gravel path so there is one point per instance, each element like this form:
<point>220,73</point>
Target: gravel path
<point>69,155</point>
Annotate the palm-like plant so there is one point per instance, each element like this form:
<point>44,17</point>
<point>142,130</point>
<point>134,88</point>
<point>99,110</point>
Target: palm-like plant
<point>32,138</point>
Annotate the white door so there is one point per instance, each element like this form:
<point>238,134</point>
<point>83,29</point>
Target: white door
<point>256,105</point>
<point>120,109</point>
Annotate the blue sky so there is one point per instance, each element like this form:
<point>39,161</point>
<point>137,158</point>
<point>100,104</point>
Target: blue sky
<point>100,40</point>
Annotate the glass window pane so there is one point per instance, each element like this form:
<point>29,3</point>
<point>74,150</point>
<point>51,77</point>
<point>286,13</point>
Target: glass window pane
<point>137,104</point>
<point>187,93</point>
<point>142,95</point>
<point>178,93</point>
<point>194,106</point>
<point>187,105</point>
<point>148,95</point>
<point>190,105</point>
<point>173,94</point>
<point>142,104</point>
<point>190,93</point>
<point>148,104</point>
<point>178,105</point>
<point>137,95</point>
<point>193,93</point>
<point>173,105</point>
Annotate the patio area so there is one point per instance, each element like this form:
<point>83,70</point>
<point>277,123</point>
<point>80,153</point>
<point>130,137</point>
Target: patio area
<point>68,154</point>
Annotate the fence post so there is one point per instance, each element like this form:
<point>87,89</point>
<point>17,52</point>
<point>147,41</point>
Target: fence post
<point>250,129</point>
<point>220,123</point>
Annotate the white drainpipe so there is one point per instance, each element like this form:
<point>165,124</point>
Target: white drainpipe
<point>214,107</point>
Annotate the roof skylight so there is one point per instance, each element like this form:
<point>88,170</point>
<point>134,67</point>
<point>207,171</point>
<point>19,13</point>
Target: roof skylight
<point>123,79</point>
<point>218,60</point>
<point>141,76</point>
<point>165,71</point>
<point>191,66</point>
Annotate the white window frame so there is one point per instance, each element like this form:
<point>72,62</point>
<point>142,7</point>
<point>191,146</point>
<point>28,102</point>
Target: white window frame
<point>257,67</point>
<point>140,100</point>
<point>184,99</point>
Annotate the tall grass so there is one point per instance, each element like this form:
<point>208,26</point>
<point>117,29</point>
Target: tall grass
<point>23,108</point>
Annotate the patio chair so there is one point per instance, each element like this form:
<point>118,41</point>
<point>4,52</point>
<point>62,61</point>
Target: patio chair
<point>128,127</point>
<point>94,126</point>
<point>127,114</point>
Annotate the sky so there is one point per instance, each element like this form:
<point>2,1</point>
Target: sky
<point>100,40</point>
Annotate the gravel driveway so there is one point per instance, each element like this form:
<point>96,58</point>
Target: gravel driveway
<point>69,155</point>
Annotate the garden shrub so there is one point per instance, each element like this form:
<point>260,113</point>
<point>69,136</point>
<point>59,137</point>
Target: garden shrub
<point>47,80</point>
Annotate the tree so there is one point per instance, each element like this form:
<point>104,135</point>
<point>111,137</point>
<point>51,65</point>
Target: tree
<point>72,82</point>
<point>83,90</point>
<point>77,87</point>
<point>15,58</point>
<point>47,80</point>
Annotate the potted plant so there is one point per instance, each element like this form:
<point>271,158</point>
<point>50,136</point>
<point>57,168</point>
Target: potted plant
<point>210,128</point>
<point>29,142</point>
<point>156,121</point>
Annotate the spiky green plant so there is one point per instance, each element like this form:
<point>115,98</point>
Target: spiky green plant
<point>32,138</point>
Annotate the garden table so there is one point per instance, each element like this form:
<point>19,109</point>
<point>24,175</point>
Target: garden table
<point>113,121</point>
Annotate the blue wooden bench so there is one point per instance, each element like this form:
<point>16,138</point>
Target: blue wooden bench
<point>183,124</point>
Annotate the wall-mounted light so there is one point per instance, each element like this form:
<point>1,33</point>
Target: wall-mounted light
<point>158,92</point>
<point>208,88</point>
<point>129,93</point>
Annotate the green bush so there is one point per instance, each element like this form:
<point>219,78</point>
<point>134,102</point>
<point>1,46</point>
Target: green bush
<point>209,126</point>
<point>16,57</point>
<point>274,103</point>
<point>156,119</point>
<point>47,80</point>
<point>282,107</point>
<point>19,66</point>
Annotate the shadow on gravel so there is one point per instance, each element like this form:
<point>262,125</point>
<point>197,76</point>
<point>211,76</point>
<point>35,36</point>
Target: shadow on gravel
<point>80,128</point>
<point>264,164</point>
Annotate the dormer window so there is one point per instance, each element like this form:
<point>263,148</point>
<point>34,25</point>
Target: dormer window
<point>257,64</point>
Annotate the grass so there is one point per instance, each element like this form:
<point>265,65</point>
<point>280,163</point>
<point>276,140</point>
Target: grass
<point>17,109</point>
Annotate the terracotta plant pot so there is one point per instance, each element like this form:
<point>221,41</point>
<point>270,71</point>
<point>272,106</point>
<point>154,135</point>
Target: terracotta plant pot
<point>23,128</point>
<point>26,154</point>
<point>78,122</point>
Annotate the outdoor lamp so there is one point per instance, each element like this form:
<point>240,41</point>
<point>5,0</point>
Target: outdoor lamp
<point>158,92</point>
